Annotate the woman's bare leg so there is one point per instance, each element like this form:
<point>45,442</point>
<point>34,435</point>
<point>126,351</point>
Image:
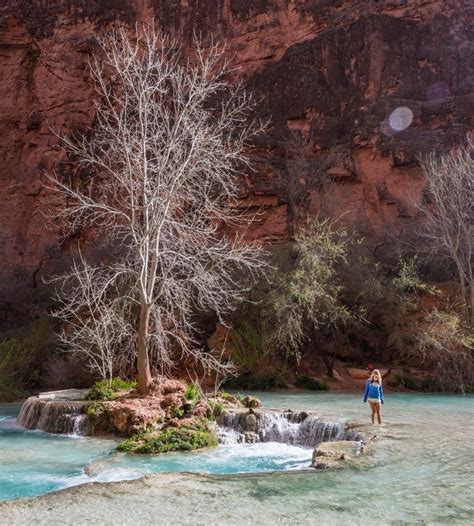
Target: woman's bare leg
<point>373,409</point>
<point>378,410</point>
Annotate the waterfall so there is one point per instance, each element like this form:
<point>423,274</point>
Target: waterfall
<point>80,425</point>
<point>53,416</point>
<point>295,428</point>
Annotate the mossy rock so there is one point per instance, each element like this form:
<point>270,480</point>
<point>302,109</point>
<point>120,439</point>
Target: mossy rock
<point>184,438</point>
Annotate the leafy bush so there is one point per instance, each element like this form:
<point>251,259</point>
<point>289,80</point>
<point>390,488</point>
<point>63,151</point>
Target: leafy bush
<point>22,358</point>
<point>432,385</point>
<point>185,438</point>
<point>257,383</point>
<point>447,344</point>
<point>217,409</point>
<point>249,349</point>
<point>403,380</point>
<point>108,390</point>
<point>309,382</point>
<point>10,390</point>
<point>307,300</point>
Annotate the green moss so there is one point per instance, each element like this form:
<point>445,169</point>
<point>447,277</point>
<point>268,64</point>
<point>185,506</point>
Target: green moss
<point>94,410</point>
<point>177,412</point>
<point>185,438</point>
<point>108,389</point>
<point>193,393</point>
<point>306,381</point>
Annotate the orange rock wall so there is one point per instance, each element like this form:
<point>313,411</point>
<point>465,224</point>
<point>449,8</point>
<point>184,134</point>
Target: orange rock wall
<point>334,70</point>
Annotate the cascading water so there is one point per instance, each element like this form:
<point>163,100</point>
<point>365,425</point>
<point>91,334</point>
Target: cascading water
<point>80,425</point>
<point>54,415</point>
<point>299,429</point>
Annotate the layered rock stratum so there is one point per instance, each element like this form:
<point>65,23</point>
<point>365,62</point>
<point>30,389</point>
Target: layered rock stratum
<point>367,85</point>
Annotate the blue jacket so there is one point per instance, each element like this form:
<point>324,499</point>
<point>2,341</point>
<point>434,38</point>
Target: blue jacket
<point>372,391</point>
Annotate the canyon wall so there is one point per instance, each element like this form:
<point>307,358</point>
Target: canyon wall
<point>364,86</point>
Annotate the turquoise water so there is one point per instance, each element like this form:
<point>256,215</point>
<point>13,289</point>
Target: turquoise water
<point>33,463</point>
<point>420,470</point>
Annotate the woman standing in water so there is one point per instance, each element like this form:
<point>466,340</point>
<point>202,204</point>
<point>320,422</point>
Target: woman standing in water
<point>374,394</point>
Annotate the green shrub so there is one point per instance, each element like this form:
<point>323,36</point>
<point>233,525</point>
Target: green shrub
<point>193,393</point>
<point>177,412</point>
<point>432,385</point>
<point>10,390</point>
<point>257,383</point>
<point>217,409</point>
<point>22,358</point>
<point>309,382</point>
<point>108,390</point>
<point>249,348</point>
<point>185,438</point>
<point>403,380</point>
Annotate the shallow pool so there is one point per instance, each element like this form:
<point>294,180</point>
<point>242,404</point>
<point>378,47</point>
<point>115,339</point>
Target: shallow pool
<point>33,462</point>
<point>420,471</point>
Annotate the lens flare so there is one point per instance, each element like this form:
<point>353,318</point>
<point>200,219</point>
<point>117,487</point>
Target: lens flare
<point>400,118</point>
<point>437,92</point>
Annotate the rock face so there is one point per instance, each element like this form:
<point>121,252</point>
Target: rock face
<point>368,86</point>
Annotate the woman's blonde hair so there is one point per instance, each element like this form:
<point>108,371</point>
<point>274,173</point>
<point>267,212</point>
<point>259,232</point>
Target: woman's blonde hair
<point>376,372</point>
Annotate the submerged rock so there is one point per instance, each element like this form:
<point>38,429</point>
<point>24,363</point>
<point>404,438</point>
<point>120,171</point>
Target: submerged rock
<point>334,454</point>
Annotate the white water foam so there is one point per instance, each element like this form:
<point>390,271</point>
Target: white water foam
<point>287,428</point>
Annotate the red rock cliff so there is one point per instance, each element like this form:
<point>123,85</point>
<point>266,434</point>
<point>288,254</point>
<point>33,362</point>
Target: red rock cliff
<point>348,75</point>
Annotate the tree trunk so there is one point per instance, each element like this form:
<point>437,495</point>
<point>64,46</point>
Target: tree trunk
<point>328,360</point>
<point>471,304</point>
<point>466,294</point>
<point>329,363</point>
<point>144,373</point>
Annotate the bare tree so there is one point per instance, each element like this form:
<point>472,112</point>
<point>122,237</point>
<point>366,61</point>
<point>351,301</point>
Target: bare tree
<point>294,175</point>
<point>448,208</point>
<point>170,137</point>
<point>92,312</point>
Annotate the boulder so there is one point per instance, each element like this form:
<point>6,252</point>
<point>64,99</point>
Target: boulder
<point>251,423</point>
<point>129,416</point>
<point>251,402</point>
<point>334,454</point>
<point>251,437</point>
<point>202,409</point>
<point>166,386</point>
<point>170,400</point>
